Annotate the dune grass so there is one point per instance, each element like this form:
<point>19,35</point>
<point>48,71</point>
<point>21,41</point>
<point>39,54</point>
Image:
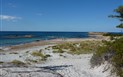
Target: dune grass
<point>40,55</point>
<point>77,48</point>
<point>18,63</point>
<point>37,54</point>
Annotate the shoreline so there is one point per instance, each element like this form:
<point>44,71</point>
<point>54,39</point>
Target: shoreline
<point>92,37</point>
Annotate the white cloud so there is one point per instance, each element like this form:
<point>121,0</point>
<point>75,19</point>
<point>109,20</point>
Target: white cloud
<point>9,18</point>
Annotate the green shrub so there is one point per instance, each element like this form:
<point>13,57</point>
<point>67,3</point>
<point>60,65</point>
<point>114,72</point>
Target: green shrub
<point>111,51</point>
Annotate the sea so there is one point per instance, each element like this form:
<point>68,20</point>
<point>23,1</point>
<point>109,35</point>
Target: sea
<point>8,38</point>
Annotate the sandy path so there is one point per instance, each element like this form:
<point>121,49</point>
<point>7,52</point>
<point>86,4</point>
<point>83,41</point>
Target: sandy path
<point>58,65</point>
<point>73,66</point>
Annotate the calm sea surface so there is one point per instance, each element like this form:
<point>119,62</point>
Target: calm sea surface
<point>8,38</point>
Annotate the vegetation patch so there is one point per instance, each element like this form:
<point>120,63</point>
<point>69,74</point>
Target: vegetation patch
<point>39,54</point>
<point>13,53</point>
<point>1,50</point>
<point>111,51</point>
<point>77,48</point>
<point>18,63</point>
<point>27,51</point>
<point>30,60</point>
<point>1,62</point>
<point>47,55</point>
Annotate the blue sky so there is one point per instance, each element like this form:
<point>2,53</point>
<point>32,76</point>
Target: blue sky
<point>59,15</point>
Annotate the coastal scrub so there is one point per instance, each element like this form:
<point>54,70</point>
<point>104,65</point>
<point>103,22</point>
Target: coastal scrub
<point>111,51</point>
<point>82,47</point>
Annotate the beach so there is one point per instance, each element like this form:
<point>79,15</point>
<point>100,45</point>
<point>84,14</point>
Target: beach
<point>19,61</point>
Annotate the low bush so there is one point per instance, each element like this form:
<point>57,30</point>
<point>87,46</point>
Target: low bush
<point>111,51</point>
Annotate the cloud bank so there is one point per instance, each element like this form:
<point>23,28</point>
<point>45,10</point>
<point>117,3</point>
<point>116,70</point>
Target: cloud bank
<point>9,18</point>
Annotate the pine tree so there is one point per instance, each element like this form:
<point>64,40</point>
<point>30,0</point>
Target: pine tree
<point>119,15</point>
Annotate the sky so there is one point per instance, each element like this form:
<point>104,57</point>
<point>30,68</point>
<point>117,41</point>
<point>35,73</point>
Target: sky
<point>59,15</point>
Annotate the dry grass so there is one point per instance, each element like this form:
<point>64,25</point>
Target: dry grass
<point>77,48</point>
<point>18,63</point>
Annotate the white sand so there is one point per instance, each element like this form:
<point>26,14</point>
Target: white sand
<point>55,66</point>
